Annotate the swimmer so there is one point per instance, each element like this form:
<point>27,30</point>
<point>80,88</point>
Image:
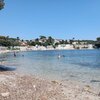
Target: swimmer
<point>14,54</point>
<point>22,55</point>
<point>59,56</point>
<point>63,55</point>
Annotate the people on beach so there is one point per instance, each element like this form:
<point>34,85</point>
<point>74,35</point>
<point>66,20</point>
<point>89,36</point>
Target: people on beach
<point>14,54</point>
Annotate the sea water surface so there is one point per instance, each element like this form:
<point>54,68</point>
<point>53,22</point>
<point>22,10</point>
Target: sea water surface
<point>80,65</point>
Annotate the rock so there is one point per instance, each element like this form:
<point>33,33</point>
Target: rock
<point>72,76</point>
<point>34,87</point>
<point>6,94</point>
<point>99,94</point>
<point>55,82</point>
<point>87,88</point>
<point>43,98</point>
<point>95,81</point>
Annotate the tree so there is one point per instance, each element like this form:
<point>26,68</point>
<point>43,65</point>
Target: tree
<point>22,40</point>
<point>66,42</point>
<point>98,39</point>
<point>7,37</point>
<point>56,44</point>
<point>73,38</point>
<point>42,37</point>
<point>1,4</point>
<point>5,43</point>
<point>70,41</point>
<point>32,43</point>
<point>36,40</point>
<point>18,38</point>
<point>97,44</point>
<point>62,42</point>
<point>2,38</point>
<point>50,40</point>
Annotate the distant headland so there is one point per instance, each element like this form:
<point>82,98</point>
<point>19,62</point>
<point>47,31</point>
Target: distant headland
<point>46,43</point>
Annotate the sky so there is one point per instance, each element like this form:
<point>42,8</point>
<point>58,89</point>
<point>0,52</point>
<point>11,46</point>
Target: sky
<point>61,19</point>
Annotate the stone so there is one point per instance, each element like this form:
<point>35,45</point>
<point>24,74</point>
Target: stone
<point>6,94</point>
<point>99,94</point>
<point>55,82</point>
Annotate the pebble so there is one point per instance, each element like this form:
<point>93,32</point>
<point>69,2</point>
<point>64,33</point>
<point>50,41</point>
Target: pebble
<point>87,88</point>
<point>99,94</point>
<point>6,94</point>
<point>55,82</point>
<point>34,87</point>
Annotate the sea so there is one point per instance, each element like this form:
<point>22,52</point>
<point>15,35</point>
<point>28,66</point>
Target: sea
<point>78,65</point>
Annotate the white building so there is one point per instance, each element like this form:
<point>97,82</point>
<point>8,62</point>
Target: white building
<point>3,48</point>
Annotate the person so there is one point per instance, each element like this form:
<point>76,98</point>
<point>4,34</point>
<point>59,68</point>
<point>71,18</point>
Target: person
<point>14,54</point>
<point>59,56</point>
<point>63,55</point>
<point>22,55</point>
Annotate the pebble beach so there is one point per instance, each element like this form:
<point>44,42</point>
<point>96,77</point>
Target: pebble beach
<point>15,86</point>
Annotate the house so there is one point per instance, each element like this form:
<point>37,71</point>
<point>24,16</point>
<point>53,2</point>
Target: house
<point>57,40</point>
<point>43,40</point>
<point>23,44</point>
<point>3,48</point>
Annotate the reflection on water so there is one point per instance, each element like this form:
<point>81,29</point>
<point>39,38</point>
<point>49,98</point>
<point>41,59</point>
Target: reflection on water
<point>74,64</point>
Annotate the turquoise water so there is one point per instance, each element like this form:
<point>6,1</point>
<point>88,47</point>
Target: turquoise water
<point>80,65</point>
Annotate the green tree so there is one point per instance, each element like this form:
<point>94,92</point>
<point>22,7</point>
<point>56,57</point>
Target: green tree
<point>7,37</point>
<point>1,4</point>
<point>97,44</point>
<point>56,44</point>
<point>50,40</point>
<point>98,39</point>
<point>18,38</point>
<point>2,38</point>
<point>62,42</point>
<point>32,44</point>
<point>22,40</point>
<point>5,43</point>
<point>36,40</point>
<point>70,41</point>
<point>42,37</point>
<point>66,42</point>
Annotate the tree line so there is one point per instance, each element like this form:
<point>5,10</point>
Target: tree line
<point>43,41</point>
<point>7,42</point>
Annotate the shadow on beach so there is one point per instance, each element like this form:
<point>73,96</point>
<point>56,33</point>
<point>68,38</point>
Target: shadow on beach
<point>4,68</point>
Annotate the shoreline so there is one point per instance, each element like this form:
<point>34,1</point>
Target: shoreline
<point>15,86</point>
<point>9,51</point>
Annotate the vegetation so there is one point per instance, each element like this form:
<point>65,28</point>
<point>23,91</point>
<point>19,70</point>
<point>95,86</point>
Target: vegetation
<point>97,45</point>
<point>6,41</point>
<point>98,39</point>
<point>87,41</point>
<point>43,41</point>
<point>1,4</point>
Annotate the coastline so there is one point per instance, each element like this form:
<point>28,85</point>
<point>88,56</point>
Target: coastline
<point>40,48</point>
<point>15,86</point>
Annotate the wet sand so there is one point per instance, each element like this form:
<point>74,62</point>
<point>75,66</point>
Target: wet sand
<point>15,86</point>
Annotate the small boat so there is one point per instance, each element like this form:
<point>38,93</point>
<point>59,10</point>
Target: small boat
<point>4,68</point>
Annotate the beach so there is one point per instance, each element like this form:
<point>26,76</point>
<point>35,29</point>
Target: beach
<point>50,50</point>
<point>36,79</point>
<point>15,86</point>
